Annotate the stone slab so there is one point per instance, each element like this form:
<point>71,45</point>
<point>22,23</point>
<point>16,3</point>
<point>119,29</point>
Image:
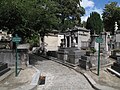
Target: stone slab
<point>113,71</point>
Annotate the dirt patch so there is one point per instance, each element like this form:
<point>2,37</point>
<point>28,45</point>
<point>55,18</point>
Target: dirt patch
<point>24,78</point>
<point>105,78</point>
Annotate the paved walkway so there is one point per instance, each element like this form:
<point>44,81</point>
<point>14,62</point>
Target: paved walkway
<point>59,77</point>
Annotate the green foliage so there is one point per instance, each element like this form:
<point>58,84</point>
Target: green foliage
<point>90,51</point>
<point>30,17</point>
<point>33,40</point>
<point>116,50</point>
<point>83,24</point>
<point>93,50</point>
<point>111,14</point>
<point>10,16</point>
<point>94,23</point>
<point>69,12</point>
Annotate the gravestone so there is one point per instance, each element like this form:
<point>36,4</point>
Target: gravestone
<point>3,68</point>
<point>93,43</point>
<point>62,54</point>
<point>73,52</point>
<point>23,50</point>
<point>84,62</point>
<point>116,65</point>
<point>74,55</point>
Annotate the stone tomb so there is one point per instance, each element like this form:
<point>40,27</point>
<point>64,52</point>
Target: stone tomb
<point>3,68</point>
<point>84,62</point>
<point>74,55</point>
<point>62,54</point>
<point>116,65</point>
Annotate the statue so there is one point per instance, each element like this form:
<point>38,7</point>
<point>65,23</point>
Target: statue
<point>74,44</point>
<point>116,26</point>
<point>62,43</point>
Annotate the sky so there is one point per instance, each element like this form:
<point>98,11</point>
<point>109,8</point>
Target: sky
<point>94,5</point>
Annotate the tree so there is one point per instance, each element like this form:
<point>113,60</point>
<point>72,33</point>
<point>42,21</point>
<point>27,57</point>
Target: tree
<point>69,12</point>
<point>94,23</point>
<point>83,24</point>
<point>27,18</point>
<point>111,14</point>
<point>10,16</point>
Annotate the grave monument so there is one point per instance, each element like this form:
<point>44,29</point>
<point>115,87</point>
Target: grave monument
<point>116,65</point>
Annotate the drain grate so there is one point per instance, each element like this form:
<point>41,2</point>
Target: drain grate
<point>42,80</point>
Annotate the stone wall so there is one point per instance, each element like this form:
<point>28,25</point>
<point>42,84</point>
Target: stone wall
<point>9,56</point>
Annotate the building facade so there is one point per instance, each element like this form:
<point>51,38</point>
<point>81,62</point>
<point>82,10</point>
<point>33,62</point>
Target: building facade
<point>78,35</point>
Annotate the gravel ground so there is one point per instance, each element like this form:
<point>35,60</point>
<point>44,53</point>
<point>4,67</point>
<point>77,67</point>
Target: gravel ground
<point>60,77</point>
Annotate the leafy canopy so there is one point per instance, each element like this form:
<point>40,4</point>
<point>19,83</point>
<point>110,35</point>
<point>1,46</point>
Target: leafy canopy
<point>111,14</point>
<point>27,18</point>
<point>94,23</point>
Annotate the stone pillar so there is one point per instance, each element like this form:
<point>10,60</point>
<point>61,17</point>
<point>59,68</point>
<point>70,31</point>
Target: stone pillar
<point>65,41</point>
<point>70,41</point>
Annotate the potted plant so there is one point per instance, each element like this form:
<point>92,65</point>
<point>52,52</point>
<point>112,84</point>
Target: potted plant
<point>90,51</point>
<point>116,52</point>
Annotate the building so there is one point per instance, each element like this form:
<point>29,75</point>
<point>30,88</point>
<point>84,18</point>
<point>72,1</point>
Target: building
<point>5,40</point>
<point>52,41</point>
<point>78,35</point>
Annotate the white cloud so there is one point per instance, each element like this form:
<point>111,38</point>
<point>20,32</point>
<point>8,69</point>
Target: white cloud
<point>90,10</point>
<point>98,10</point>
<point>87,3</point>
<point>84,18</point>
<point>89,6</point>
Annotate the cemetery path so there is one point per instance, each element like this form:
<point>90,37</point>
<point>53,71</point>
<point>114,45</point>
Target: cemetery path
<point>59,77</point>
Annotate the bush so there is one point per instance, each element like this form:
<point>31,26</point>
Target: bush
<point>93,50</point>
<point>116,50</point>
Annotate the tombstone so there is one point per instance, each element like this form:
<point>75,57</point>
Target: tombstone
<point>62,52</point>
<point>74,55</point>
<point>74,52</point>
<point>93,43</point>
<point>85,63</point>
<point>116,65</point>
<point>23,50</point>
<point>3,68</point>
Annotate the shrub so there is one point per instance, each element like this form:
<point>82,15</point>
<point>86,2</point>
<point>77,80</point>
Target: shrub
<point>116,50</point>
<point>93,50</point>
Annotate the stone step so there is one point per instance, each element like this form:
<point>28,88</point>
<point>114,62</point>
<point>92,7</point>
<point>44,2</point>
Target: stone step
<point>116,68</point>
<point>3,66</point>
<point>4,71</point>
<point>113,71</point>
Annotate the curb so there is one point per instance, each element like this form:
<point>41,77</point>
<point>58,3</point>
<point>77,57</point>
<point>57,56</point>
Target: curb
<point>34,83</point>
<point>6,75</point>
<point>88,77</point>
<point>35,79</point>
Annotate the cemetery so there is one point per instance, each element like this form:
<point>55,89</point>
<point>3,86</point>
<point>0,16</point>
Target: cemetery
<point>9,56</point>
<point>83,53</point>
<point>59,44</point>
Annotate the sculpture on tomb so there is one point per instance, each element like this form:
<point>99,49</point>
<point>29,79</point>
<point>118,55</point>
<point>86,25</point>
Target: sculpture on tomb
<point>62,43</point>
<point>74,44</point>
<point>116,26</point>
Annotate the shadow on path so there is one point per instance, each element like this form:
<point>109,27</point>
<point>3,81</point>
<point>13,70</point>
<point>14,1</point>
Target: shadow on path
<point>33,58</point>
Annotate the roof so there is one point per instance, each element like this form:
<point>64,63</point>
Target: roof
<point>76,28</point>
<point>23,46</point>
